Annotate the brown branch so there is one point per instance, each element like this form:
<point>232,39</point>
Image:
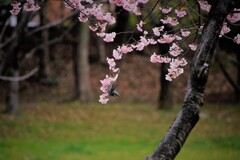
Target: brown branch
<point>234,85</point>
<point>53,24</point>
<point>149,13</point>
<point>4,29</point>
<point>48,43</point>
<point>20,78</point>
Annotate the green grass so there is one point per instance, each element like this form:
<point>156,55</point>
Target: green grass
<point>76,131</point>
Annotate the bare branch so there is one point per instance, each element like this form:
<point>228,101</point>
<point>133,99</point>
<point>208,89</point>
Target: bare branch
<point>53,24</point>
<point>48,43</point>
<point>4,29</point>
<point>151,10</point>
<point>21,78</point>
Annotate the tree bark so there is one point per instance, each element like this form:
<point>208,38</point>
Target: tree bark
<point>165,100</point>
<point>166,95</point>
<point>83,90</point>
<point>101,50</point>
<point>12,97</point>
<point>44,64</point>
<point>237,94</point>
<point>189,113</point>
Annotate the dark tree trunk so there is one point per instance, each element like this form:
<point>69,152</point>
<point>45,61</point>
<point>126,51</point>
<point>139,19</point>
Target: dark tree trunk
<point>12,95</point>
<point>166,99</point>
<point>166,95</point>
<point>13,86</point>
<point>76,70</point>
<point>101,50</point>
<point>189,113</point>
<point>44,67</point>
<point>238,78</point>
<point>122,23</point>
<point>83,90</point>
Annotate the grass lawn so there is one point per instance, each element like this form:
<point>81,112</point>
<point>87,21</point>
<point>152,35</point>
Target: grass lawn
<point>50,131</point>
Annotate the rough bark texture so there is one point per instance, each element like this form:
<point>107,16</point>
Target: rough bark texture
<point>189,114</point>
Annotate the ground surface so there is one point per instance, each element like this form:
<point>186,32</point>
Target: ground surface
<point>73,131</point>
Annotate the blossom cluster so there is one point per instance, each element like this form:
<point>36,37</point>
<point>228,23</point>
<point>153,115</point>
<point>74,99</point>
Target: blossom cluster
<point>28,6</point>
<point>130,5</point>
<point>234,17</point>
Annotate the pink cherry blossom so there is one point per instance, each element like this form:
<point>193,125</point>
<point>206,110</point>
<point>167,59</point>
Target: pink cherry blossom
<point>143,1</point>
<point>237,39</point>
<point>157,30</point>
<point>185,32</point>
<point>111,62</point>
<point>101,34</point>
<point>139,46</point>
<point>165,10</point>
<point>204,5</point>
<point>82,18</point>
<point>225,29</point>
<point>117,55</point>
<point>16,8</point>
<point>125,49</point>
<point>173,73</point>
<point>155,58</point>
<point>151,41</point>
<point>234,17</point>
<point>93,28</point>
<point>140,26</point>
<point>109,37</point>
<point>103,99</point>
<point>159,59</point>
<point>193,47</point>
<point>30,5</point>
<point>144,41</point>
<point>105,83</point>
<point>177,37</point>
<point>175,63</point>
<point>166,38</point>
<point>170,20</point>
<point>180,13</point>
<point>175,50</point>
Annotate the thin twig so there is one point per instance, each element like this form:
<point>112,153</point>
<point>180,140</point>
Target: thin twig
<point>151,10</point>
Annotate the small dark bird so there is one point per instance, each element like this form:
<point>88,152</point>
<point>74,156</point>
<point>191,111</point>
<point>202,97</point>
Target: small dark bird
<point>112,87</point>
